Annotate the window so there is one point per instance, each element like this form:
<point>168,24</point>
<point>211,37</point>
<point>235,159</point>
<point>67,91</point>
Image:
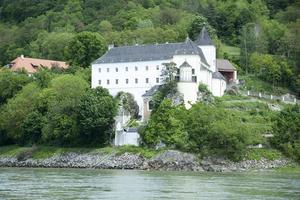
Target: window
<point>107,82</point>
<point>136,68</point>
<point>147,80</point>
<point>147,68</point>
<point>117,81</point>
<point>99,82</point>
<point>136,80</point>
<point>157,67</point>
<point>107,69</point>
<point>126,69</point>
<point>150,105</point>
<point>193,71</point>
<point>157,80</point>
<point>99,70</point>
<point>117,69</point>
<point>127,81</point>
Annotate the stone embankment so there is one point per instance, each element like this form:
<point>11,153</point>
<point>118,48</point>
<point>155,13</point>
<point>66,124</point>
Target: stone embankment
<point>169,160</point>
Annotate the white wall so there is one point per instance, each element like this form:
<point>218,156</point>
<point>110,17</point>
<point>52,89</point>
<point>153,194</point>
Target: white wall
<point>189,91</point>
<point>209,52</point>
<point>202,73</point>
<point>126,138</point>
<point>137,89</point>
<point>218,87</point>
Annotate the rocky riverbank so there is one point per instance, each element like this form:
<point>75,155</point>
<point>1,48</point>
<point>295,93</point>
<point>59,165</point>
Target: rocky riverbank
<point>169,160</point>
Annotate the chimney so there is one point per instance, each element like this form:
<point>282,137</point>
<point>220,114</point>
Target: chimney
<point>110,46</point>
<point>22,56</point>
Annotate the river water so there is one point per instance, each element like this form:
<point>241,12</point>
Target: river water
<point>22,183</point>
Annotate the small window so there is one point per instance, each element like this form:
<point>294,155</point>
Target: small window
<point>117,81</point>
<point>157,67</point>
<point>136,68</point>
<point>126,69</point>
<point>136,80</point>
<point>193,71</point>
<point>117,69</point>
<point>147,80</point>
<point>107,69</point>
<point>99,82</point>
<point>147,68</point>
<point>107,82</point>
<point>157,80</point>
<point>127,81</point>
<point>99,70</point>
<point>150,105</point>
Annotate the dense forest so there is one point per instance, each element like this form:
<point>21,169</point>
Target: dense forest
<point>266,32</point>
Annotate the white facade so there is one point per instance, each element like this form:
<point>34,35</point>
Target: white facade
<point>218,87</point>
<point>209,52</point>
<point>127,138</point>
<point>121,73</point>
<point>134,77</point>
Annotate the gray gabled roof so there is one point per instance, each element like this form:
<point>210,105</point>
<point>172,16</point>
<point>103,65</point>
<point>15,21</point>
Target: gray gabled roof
<point>185,64</point>
<point>218,75</point>
<point>225,65</point>
<point>204,38</point>
<point>150,52</point>
<point>152,91</point>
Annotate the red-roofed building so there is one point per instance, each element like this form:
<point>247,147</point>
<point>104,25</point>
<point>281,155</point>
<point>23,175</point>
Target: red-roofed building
<point>31,65</point>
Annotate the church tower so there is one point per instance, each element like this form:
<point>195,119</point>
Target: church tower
<point>208,48</point>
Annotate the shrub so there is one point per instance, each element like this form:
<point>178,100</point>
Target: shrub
<point>287,131</point>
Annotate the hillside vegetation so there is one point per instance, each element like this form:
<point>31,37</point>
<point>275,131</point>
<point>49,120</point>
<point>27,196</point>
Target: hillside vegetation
<point>260,36</point>
<point>58,108</point>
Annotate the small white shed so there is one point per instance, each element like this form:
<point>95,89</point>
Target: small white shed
<point>127,136</point>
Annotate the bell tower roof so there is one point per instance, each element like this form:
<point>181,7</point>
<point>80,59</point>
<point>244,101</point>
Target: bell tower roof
<point>204,38</point>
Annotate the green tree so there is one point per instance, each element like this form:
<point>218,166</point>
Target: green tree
<point>266,67</point>
<point>287,131</point>
<point>165,127</point>
<point>32,128</point>
<point>11,83</point>
<point>64,97</point>
<point>51,45</point>
<point>85,48</point>
<point>128,103</point>
<point>196,26</point>
<point>17,109</point>
<point>96,114</point>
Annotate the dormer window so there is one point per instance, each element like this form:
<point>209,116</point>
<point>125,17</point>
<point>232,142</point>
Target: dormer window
<point>107,69</point>
<point>126,69</point>
<point>147,68</point>
<point>136,68</point>
<point>117,69</point>
<point>34,66</point>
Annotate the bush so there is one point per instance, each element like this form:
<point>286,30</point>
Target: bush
<point>208,131</point>
<point>287,131</point>
<point>165,126</point>
<point>96,113</point>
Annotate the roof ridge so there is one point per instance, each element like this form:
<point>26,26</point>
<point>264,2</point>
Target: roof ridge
<point>28,58</point>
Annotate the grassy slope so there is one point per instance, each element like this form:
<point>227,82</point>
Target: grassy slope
<point>231,51</point>
<point>252,83</point>
<point>42,152</point>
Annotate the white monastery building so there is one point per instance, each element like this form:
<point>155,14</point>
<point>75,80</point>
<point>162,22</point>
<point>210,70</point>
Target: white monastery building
<point>137,69</point>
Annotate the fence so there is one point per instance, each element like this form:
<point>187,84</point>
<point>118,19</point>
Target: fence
<point>284,98</point>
